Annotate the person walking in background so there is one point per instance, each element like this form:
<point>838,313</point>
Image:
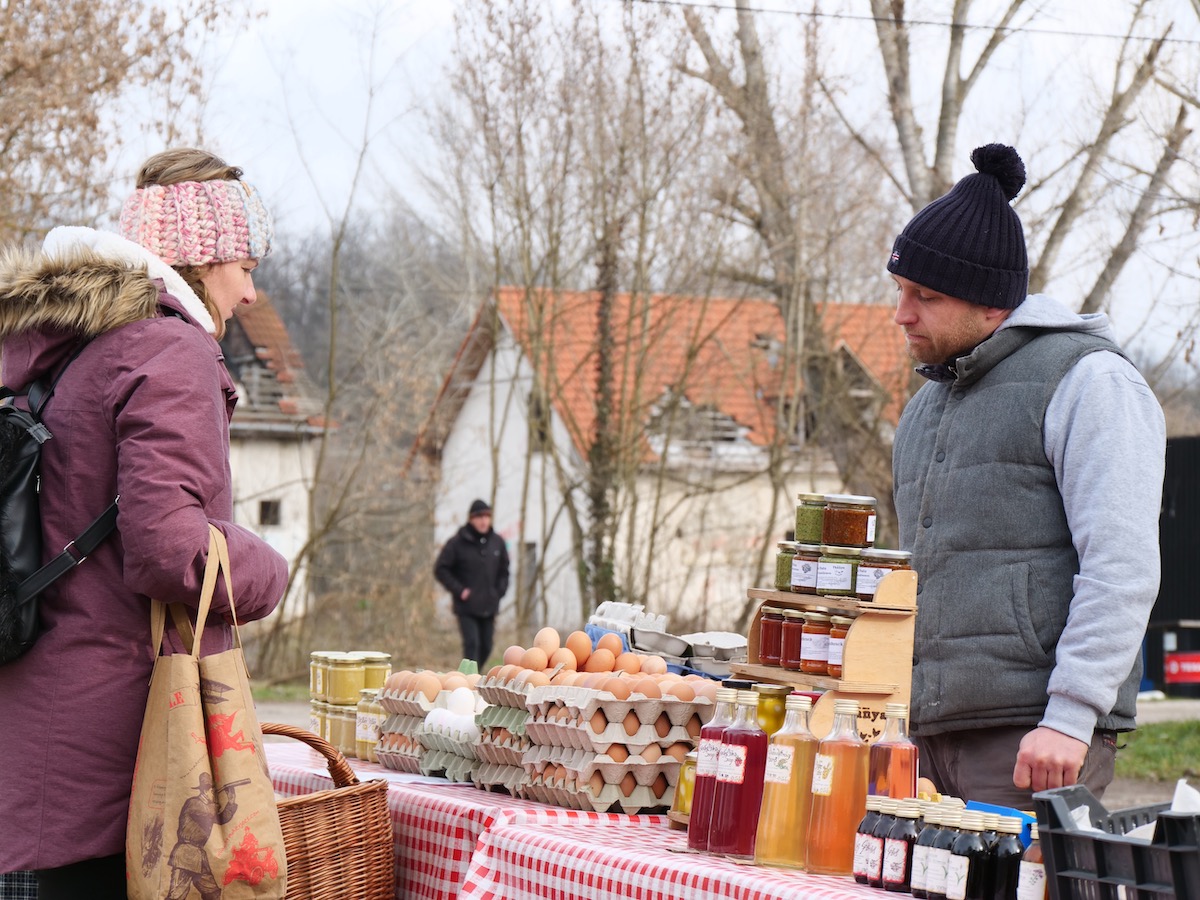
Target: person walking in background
<point>1028,478</point>
<point>473,567</point>
<point>142,412</point>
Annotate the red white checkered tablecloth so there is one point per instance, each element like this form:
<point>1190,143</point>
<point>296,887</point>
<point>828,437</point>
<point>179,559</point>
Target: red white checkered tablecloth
<point>439,829</point>
<point>587,862</point>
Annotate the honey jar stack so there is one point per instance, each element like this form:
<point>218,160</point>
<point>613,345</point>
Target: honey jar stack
<point>343,688</point>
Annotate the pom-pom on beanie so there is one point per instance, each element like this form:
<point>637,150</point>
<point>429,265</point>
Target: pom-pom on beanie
<point>194,223</point>
<point>969,243</point>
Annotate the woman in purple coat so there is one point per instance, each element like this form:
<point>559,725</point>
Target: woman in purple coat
<point>142,412</point>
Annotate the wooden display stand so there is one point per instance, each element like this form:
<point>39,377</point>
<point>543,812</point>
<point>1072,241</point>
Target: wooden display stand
<point>877,661</point>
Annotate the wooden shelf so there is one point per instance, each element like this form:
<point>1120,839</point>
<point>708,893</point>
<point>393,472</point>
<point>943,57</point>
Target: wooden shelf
<point>780,675</point>
<point>843,604</point>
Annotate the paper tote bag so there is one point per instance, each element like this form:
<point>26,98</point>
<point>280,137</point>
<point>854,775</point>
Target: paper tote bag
<point>202,816</point>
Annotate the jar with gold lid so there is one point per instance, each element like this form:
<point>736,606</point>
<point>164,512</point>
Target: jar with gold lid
<point>814,645</point>
<point>849,520</point>
<point>837,569</point>
<point>792,634</point>
<point>377,666</point>
<point>318,673</point>
<point>346,674</point>
<point>771,706</point>
<point>873,566</point>
<point>839,627</point>
<point>770,635</point>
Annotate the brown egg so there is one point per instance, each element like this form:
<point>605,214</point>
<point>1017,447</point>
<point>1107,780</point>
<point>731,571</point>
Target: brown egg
<point>627,662</point>
<point>473,679</point>
<point>452,680</point>
<point>678,750</point>
<point>654,665</point>
<point>659,785</point>
<point>693,726</point>
<point>611,642</point>
<point>428,684</point>
<point>535,658</point>
<point>512,656</point>
<point>618,687</point>
<point>632,723</point>
<point>647,687</point>
<point>546,640</point>
<point>652,753</point>
<point>601,660</point>
<point>565,678</point>
<point>662,725</point>
<point>706,688</point>
<point>581,645</point>
<point>617,752</point>
<point>565,658</point>
<point>537,679</point>
<point>596,783</point>
<point>598,722</point>
<point>628,783</point>
<point>680,691</point>
<point>494,671</point>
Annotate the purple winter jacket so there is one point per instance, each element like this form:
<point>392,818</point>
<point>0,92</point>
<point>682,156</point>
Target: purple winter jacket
<point>142,412</point>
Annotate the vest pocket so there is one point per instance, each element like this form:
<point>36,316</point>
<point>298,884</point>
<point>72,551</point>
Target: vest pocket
<point>1030,607</point>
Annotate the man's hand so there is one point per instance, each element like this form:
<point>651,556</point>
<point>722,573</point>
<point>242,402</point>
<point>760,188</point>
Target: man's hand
<point>466,592</point>
<point>1048,759</point>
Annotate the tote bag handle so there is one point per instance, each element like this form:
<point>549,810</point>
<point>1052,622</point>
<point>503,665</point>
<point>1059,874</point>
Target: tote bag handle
<point>218,559</point>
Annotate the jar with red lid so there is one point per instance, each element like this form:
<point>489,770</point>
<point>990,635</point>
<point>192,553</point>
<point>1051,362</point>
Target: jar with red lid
<point>792,637</point>
<point>849,520</point>
<point>814,644</point>
<point>770,635</point>
<point>839,627</point>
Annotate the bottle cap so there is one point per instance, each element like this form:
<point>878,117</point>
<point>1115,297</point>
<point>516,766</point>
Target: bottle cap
<point>1009,825</point>
<point>747,698</point>
<point>727,695</point>
<point>899,710</point>
<point>845,707</point>
<point>798,701</point>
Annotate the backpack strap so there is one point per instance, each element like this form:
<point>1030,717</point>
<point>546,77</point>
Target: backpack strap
<point>72,555</point>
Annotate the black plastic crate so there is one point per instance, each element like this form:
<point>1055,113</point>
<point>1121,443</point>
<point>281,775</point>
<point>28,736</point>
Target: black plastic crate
<point>1086,865</point>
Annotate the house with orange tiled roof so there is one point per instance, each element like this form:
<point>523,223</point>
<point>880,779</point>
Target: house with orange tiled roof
<point>272,437</point>
<point>698,388</point>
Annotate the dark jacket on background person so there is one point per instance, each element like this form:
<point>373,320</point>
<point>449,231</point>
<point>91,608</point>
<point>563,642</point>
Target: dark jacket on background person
<point>478,562</point>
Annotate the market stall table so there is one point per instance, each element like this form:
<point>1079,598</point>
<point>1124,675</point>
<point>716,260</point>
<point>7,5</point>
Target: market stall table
<point>440,828</point>
<point>580,861</point>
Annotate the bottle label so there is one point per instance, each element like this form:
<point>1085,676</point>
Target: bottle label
<point>957,870</point>
<point>731,763</point>
<point>872,856</point>
<point>804,573</point>
<point>837,650</point>
<point>935,877</point>
<point>871,529</point>
<point>1031,881</point>
<point>706,758</point>
<point>859,868</point>
<point>814,646</point>
<point>868,579</point>
<point>822,775</point>
<point>779,764</point>
<point>835,576</point>
<point>920,867</point>
<point>895,861</point>
<point>364,725</point>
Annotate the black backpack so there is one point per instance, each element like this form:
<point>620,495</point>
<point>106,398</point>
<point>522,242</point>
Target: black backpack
<point>22,575</point>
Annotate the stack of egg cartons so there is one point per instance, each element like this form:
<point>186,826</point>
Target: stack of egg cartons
<point>502,737</point>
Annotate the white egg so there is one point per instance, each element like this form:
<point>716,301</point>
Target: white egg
<point>461,701</point>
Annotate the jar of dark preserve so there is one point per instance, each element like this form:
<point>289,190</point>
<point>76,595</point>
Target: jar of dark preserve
<point>873,565</point>
<point>792,638</point>
<point>804,568</point>
<point>849,520</point>
<point>770,635</point>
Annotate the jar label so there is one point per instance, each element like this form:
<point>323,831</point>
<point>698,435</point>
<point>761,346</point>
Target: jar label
<point>868,579</point>
<point>895,861</point>
<point>834,576</point>
<point>319,680</point>
<point>871,529</point>
<point>779,764</point>
<point>837,649</point>
<point>1031,881</point>
<point>706,758</point>
<point>366,727</point>
<point>804,573</point>
<point>814,646</point>
<point>731,763</point>
<point>935,877</point>
<point>314,723</point>
<point>872,856</point>
<point>920,867</point>
<point>957,869</point>
<point>822,775</point>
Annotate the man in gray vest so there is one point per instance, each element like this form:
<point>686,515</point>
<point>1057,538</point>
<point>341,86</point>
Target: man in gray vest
<point>1028,478</point>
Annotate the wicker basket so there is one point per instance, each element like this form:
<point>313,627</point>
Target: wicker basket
<point>338,842</point>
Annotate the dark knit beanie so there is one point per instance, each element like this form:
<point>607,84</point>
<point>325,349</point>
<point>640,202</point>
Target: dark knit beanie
<point>479,506</point>
<point>969,243</point>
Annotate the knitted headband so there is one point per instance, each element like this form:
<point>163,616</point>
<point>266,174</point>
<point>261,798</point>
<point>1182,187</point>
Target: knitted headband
<point>194,223</point>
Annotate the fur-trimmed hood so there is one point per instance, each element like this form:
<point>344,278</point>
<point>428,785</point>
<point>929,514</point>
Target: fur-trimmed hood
<point>82,283</point>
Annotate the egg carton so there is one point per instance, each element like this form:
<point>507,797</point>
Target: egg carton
<point>608,798</point>
<point>448,740</point>
<point>720,645</point>
<point>511,717</point>
<point>503,693</point>
<point>618,616</point>
<point>587,700</point>
<point>584,736</point>
<point>488,775</point>
<point>407,703</point>
<point>495,747</point>
<point>581,764</point>
<point>402,723</point>
<point>448,765</point>
<point>402,758</point>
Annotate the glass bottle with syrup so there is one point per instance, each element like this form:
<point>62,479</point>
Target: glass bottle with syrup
<point>967,871</point>
<point>737,796</point>
<point>839,789</point>
<point>1032,883</point>
<point>787,788</point>
<point>893,769</point>
<point>706,768</point>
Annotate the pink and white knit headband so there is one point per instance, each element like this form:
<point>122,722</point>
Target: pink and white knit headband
<point>194,223</point>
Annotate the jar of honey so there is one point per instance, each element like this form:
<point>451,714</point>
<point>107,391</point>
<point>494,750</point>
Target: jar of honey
<point>366,725</point>
<point>814,645</point>
<point>772,700</point>
<point>873,566</point>
<point>837,569</point>
<point>792,636</point>
<point>346,674</point>
<point>804,568</point>
<point>839,627</point>
<point>377,666</point>
<point>849,520</point>
<point>784,555</point>
<point>318,674</point>
<point>770,635</point>
<point>810,518</point>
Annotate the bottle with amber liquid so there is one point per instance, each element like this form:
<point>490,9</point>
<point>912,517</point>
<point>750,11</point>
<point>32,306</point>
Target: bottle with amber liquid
<point>1032,883</point>
<point>706,768</point>
<point>787,788</point>
<point>737,796</point>
<point>839,789</point>
<point>893,767</point>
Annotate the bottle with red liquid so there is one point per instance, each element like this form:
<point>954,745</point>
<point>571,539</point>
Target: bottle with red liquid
<point>706,769</point>
<point>737,798</point>
<point>839,790</point>
<point>893,768</point>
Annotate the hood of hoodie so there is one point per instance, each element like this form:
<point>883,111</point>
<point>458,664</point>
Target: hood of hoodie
<point>1041,311</point>
<point>83,283</point>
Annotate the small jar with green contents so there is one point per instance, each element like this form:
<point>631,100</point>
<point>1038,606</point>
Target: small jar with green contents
<point>783,565</point>
<point>837,570</point>
<point>810,518</point>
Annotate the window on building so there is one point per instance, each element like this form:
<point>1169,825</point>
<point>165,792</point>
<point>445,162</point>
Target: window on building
<point>270,512</point>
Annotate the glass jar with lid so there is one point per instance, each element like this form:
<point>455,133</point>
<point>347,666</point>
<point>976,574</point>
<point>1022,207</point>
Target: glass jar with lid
<point>804,568</point>
<point>849,520</point>
<point>784,555</point>
<point>770,635</point>
<point>810,518</point>
<point>839,627</point>
<point>814,645</point>
<point>377,666</point>
<point>346,673</point>
<point>366,725</point>
<point>837,569</point>
<point>685,785</point>
<point>772,699</point>
<point>874,565</point>
<point>792,636</point>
